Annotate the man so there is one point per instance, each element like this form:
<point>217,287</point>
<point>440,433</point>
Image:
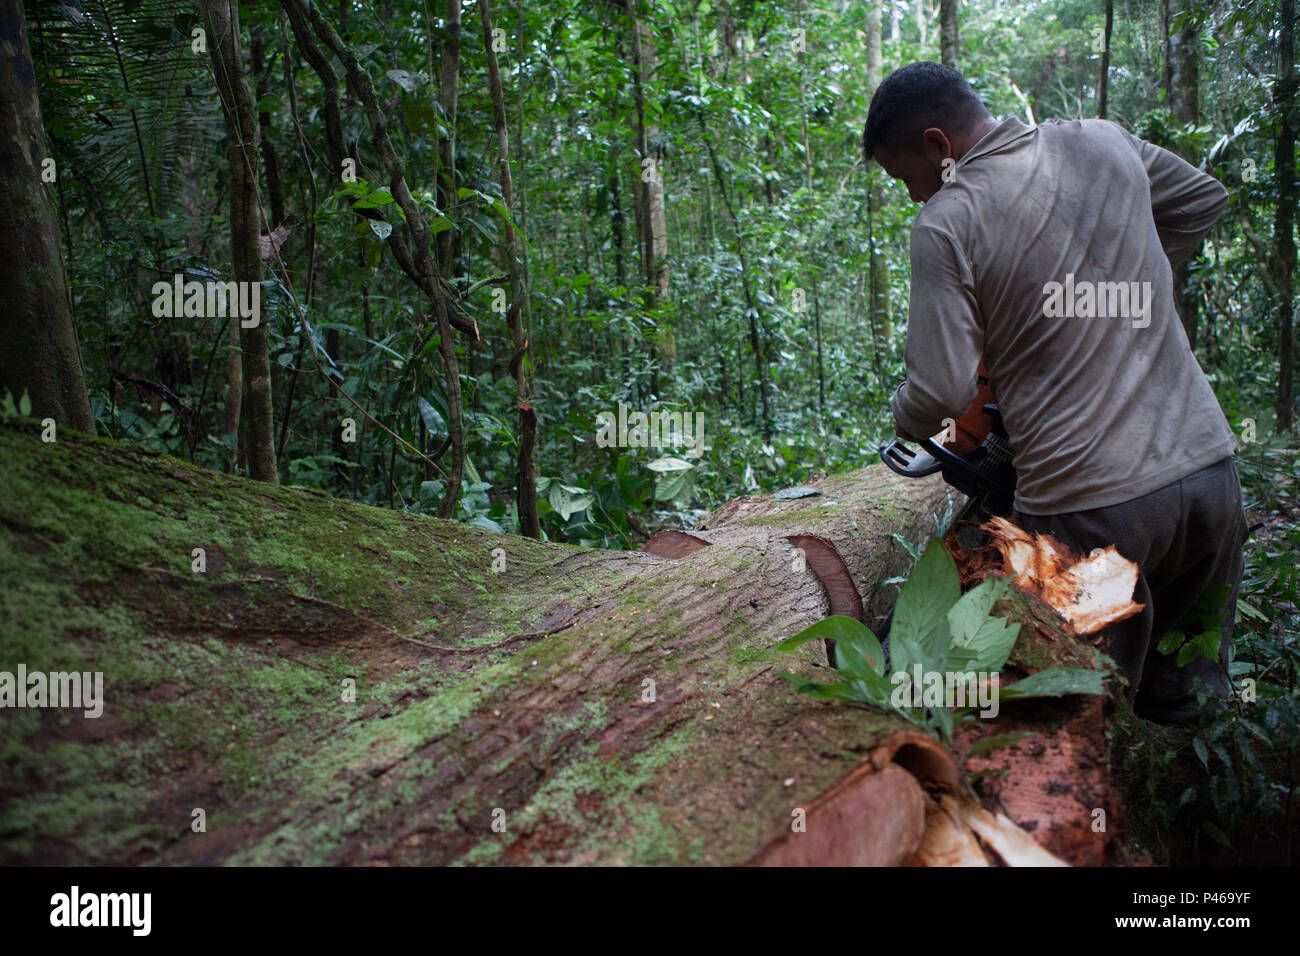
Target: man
<point>1046,252</point>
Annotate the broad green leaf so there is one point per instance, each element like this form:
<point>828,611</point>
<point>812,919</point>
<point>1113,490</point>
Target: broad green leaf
<point>837,627</point>
<point>904,653</point>
<point>380,197</point>
<point>1208,644</point>
<point>923,603</point>
<point>672,485</point>
<point>25,404</point>
<point>858,652</point>
<point>1056,682</point>
<point>800,491</point>
<point>381,228</point>
<point>405,79</point>
<point>669,464</point>
<point>990,638</point>
<point>1170,642</point>
<point>840,690</point>
<point>432,420</point>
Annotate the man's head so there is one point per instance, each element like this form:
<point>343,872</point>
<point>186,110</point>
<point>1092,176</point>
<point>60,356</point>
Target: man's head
<point>921,115</point>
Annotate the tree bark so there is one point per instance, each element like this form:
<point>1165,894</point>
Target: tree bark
<point>38,347</point>
<point>598,707</point>
<point>221,18</point>
<point>1182,92</point>
<point>878,284</point>
<point>1284,216</point>
<point>447,95</point>
<point>525,465</point>
<point>1103,83</point>
<point>948,36</point>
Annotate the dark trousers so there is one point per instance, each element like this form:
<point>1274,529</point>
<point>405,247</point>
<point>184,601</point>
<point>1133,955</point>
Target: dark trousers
<point>1186,539</point>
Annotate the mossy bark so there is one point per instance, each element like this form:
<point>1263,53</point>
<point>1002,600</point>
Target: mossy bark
<point>515,701</point>
<point>38,341</point>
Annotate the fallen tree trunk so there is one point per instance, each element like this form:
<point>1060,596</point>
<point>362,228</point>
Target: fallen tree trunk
<point>289,678</point>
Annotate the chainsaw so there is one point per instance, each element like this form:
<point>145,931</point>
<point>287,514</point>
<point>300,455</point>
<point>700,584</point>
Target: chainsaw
<point>973,453</point>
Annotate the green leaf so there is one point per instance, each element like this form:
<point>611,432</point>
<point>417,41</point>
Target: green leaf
<point>673,485</point>
<point>25,404</point>
<point>856,649</point>
<point>1170,642</point>
<point>800,491</point>
<point>1208,644</point>
<point>1202,752</point>
<point>568,500</point>
<point>1056,682</point>
<point>669,464</point>
<point>910,548</point>
<point>483,521</point>
<point>840,690</point>
<point>837,627</point>
<point>1246,610</point>
<point>923,603</point>
<point>1218,835</point>
<point>380,197</point>
<point>381,228</point>
<point>405,79</point>
<point>990,638</point>
<point>433,421</point>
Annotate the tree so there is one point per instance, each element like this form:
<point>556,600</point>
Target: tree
<point>1103,82</point>
<point>222,19</point>
<point>1284,102</point>
<point>428,692</point>
<point>1182,89</point>
<point>948,32</point>
<point>38,348</point>
<point>526,468</point>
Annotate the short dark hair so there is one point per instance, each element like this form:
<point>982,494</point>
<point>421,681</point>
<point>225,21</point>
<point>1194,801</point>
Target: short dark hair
<point>915,98</point>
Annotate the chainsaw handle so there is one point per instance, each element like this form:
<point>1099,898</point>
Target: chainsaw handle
<point>906,462</point>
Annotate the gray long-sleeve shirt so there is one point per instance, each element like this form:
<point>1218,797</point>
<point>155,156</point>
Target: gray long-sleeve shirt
<point>1019,259</point>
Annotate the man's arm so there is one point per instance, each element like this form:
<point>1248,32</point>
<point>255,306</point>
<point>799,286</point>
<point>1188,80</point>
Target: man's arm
<point>945,337</point>
<point>1185,202</point>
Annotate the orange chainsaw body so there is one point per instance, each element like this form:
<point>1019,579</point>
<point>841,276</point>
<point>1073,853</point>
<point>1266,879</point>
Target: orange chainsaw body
<point>973,426</point>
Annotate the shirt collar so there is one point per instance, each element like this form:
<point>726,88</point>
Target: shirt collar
<point>1009,130</point>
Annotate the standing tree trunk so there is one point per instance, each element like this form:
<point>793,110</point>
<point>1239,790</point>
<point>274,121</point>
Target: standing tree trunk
<point>526,470</point>
<point>1182,93</point>
<point>878,286</point>
<point>448,90</point>
<point>652,227</point>
<point>948,33</point>
<point>1284,218</point>
<point>1103,84</point>
<point>38,347</point>
<point>222,18</point>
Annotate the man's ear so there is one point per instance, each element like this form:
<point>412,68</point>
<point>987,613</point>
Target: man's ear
<point>937,145</point>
